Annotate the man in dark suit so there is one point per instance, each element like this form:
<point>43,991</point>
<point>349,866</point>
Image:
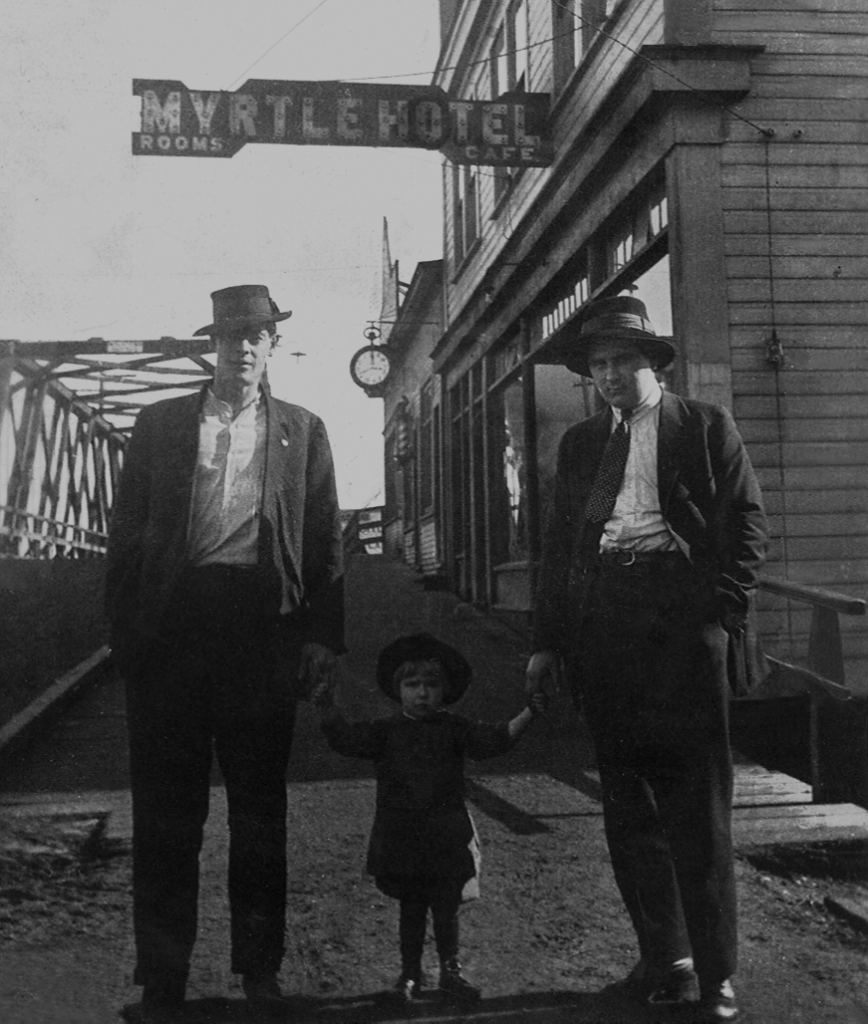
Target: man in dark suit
<point>650,559</point>
<point>225,595</point>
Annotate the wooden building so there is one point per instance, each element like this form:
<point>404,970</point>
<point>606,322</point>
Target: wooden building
<point>711,157</point>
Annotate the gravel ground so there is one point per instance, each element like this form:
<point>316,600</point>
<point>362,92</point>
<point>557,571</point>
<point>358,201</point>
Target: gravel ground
<point>547,941</point>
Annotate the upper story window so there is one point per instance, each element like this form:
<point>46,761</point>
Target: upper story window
<point>576,24</point>
<point>509,72</point>
<point>465,211</point>
<point>636,229</point>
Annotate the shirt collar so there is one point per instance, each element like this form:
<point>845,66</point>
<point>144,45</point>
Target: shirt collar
<point>214,406</point>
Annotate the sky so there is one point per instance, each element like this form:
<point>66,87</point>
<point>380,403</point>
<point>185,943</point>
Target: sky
<point>97,242</point>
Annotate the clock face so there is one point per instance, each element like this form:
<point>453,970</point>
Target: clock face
<point>370,366</point>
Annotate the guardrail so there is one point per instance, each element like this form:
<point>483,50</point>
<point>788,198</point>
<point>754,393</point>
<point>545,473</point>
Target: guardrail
<point>28,535</point>
<point>804,719</point>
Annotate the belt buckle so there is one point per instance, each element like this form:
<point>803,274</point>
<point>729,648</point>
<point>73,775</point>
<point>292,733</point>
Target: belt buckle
<point>623,559</point>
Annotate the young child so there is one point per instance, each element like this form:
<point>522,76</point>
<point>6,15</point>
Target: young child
<point>423,849</point>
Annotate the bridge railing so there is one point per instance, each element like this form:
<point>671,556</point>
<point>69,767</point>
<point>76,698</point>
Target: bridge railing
<point>804,719</point>
<point>27,535</point>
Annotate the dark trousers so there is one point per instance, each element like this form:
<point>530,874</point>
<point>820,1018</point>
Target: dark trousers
<point>650,677</point>
<point>209,688</point>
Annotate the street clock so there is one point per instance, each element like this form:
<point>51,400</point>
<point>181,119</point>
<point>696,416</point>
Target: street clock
<point>370,366</point>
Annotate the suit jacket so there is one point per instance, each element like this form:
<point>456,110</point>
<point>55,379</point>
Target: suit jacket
<point>300,547</point>
<point>709,497</point>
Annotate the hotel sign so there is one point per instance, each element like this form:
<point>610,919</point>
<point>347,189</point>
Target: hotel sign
<point>176,121</point>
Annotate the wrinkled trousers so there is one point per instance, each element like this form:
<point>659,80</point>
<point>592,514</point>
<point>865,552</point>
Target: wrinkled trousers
<point>649,675</point>
<point>208,689</point>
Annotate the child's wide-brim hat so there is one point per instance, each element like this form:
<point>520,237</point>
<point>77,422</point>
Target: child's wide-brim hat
<point>243,305</point>
<point>424,647</point>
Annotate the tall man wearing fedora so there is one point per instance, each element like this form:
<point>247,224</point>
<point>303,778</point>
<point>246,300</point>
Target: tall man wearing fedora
<point>651,553</point>
<point>225,595</point>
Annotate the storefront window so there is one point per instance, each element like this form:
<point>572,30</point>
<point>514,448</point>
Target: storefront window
<point>562,399</point>
<point>652,288</point>
<point>515,470</point>
<point>507,471</point>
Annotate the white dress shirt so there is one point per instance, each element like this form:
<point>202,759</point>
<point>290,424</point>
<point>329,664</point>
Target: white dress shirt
<point>227,489</point>
<point>637,521</point>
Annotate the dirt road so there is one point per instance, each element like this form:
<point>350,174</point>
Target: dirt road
<point>546,942</point>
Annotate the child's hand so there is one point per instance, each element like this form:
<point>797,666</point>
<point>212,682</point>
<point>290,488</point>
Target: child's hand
<point>538,703</point>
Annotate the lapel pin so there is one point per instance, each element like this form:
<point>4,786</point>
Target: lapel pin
<point>284,442</point>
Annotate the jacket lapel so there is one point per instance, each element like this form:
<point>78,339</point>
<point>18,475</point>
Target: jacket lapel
<point>669,447</point>
<point>181,453</point>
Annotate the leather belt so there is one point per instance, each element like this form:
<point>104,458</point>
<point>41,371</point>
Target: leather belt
<point>626,556</point>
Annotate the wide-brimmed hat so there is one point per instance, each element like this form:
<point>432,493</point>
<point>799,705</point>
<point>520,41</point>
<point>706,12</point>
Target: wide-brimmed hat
<point>423,647</point>
<point>243,305</point>
<point>620,317</point>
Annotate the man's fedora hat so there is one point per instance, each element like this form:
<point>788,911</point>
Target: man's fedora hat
<point>243,305</point>
<point>423,647</point>
<point>621,317</point>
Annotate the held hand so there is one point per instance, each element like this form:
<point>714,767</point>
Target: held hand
<point>316,667</point>
<point>538,703</point>
<point>543,667</point>
<point>323,694</point>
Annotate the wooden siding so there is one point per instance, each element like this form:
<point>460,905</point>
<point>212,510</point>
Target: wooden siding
<point>798,205</point>
<point>636,24</point>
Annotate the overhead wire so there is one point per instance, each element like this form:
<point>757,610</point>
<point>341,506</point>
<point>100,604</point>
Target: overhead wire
<point>274,45</point>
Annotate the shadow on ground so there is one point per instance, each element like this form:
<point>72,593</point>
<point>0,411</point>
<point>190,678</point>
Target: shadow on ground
<point>606,1007</point>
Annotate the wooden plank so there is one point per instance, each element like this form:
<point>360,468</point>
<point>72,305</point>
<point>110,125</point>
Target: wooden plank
<point>782,152</point>
<point>795,111</point>
<point>800,407</point>
<point>62,688</point>
<point>825,524</point>
<point>853,502</point>
<point>735,198</point>
<point>797,267</point>
<point>799,43</point>
<point>843,6</point>
<point>826,548</point>
<point>800,313</point>
<point>795,382</point>
<point>777,25</point>
<point>813,175</point>
<point>800,352</point>
<point>827,822</point>
<point>810,815</point>
<point>806,86</point>
<point>809,290</point>
<point>847,131</point>
<point>771,63</point>
<point>757,244</point>
<point>807,478</point>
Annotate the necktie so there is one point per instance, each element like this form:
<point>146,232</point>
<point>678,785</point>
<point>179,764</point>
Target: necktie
<point>610,473</point>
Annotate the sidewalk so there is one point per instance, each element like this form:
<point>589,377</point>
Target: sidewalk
<point>546,941</point>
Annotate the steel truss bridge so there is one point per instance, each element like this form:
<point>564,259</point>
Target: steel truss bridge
<point>66,411</point>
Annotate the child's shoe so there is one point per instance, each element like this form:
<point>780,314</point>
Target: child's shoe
<point>452,984</point>
<point>407,988</point>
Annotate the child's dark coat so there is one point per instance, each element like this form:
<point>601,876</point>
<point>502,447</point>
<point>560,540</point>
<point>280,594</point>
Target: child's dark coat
<point>421,830</point>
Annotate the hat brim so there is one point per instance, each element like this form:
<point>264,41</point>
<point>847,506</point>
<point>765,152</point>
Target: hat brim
<point>659,351</point>
<point>424,647</point>
<point>231,322</point>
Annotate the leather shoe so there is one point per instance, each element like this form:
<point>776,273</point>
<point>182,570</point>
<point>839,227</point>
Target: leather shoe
<point>717,1002</point>
<point>162,1003</point>
<point>406,988</point>
<point>265,1000</point>
<point>454,985</point>
<point>648,985</point>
